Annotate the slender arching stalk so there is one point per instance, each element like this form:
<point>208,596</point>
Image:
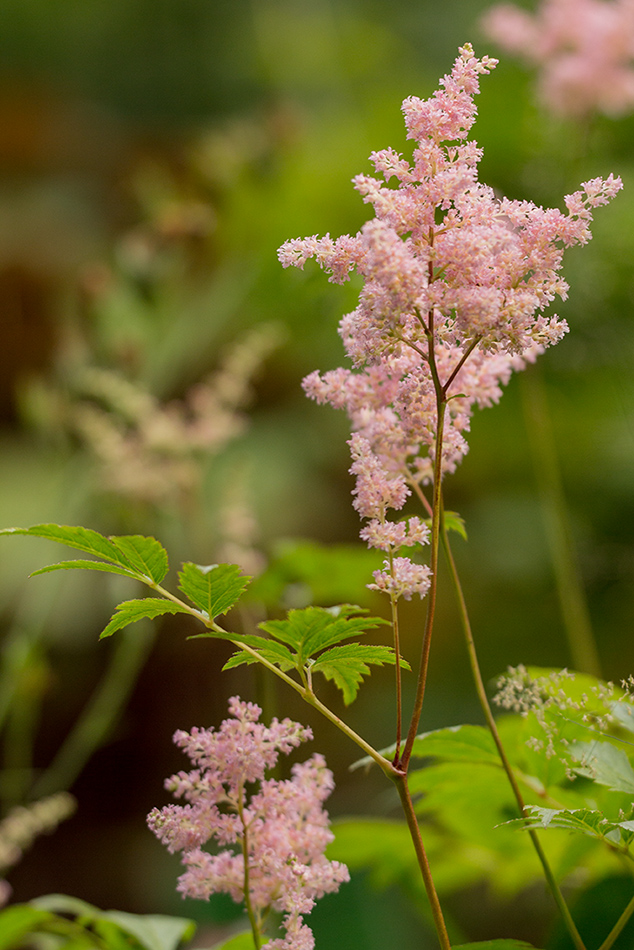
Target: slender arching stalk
<point>618,927</point>
<point>488,715</point>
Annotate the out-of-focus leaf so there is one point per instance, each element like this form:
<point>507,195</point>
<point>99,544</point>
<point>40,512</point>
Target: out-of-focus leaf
<point>326,574</point>
<point>154,931</point>
<point>605,764</point>
<point>19,920</point>
<point>455,522</point>
<point>242,941</point>
<point>466,743</point>
<point>505,944</point>
<point>585,821</point>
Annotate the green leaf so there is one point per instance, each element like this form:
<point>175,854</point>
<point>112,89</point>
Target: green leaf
<point>584,821</point>
<point>130,611</point>
<point>275,653</point>
<point>214,588</point>
<point>152,932</point>
<point>135,555</point>
<point>623,712</point>
<point>506,944</point>
<point>19,920</point>
<point>465,743</point>
<point>605,764</point>
<point>146,555</point>
<point>347,665</point>
<point>241,941</point>
<point>316,628</point>
<point>84,566</point>
<point>454,522</point>
<point>316,573</point>
<point>155,931</point>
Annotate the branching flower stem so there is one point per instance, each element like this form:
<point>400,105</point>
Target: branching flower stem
<point>441,404</point>
<point>488,715</point>
<point>255,927</point>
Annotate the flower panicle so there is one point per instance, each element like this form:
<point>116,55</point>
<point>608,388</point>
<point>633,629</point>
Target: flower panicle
<point>279,826</point>
<point>456,284</point>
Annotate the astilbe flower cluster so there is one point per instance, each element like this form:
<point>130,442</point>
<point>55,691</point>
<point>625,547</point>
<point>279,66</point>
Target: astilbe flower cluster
<point>279,827</point>
<point>456,284</point>
<point>584,50</point>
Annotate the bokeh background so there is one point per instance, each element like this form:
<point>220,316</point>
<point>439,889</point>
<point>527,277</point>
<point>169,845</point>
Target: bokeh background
<point>153,156</point>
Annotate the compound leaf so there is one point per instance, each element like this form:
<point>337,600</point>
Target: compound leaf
<point>316,628</point>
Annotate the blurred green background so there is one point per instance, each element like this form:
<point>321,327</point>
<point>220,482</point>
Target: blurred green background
<point>153,156</point>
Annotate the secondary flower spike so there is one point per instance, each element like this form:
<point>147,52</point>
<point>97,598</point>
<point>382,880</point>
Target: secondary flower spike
<point>279,828</point>
<point>583,49</point>
<point>456,287</point>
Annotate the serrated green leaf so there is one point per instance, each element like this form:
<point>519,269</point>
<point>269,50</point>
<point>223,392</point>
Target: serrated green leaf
<point>214,588</point>
<point>83,539</point>
<point>454,522</point>
<point>85,566</point>
<point>605,764</point>
<point>134,555</point>
<point>347,665</point>
<point>130,611</point>
<point>316,628</point>
<point>146,555</point>
<point>272,651</point>
<point>586,821</point>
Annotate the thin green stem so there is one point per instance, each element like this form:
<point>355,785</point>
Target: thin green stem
<point>488,715</point>
<point>618,927</point>
<point>400,781</point>
<point>572,599</point>
<point>304,690</point>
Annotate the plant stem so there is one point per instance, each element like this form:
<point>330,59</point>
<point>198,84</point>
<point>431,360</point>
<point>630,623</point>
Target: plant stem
<point>255,928</point>
<point>618,927</point>
<point>488,715</point>
<point>572,599</point>
<point>397,664</point>
<point>400,780</point>
<point>433,559</point>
